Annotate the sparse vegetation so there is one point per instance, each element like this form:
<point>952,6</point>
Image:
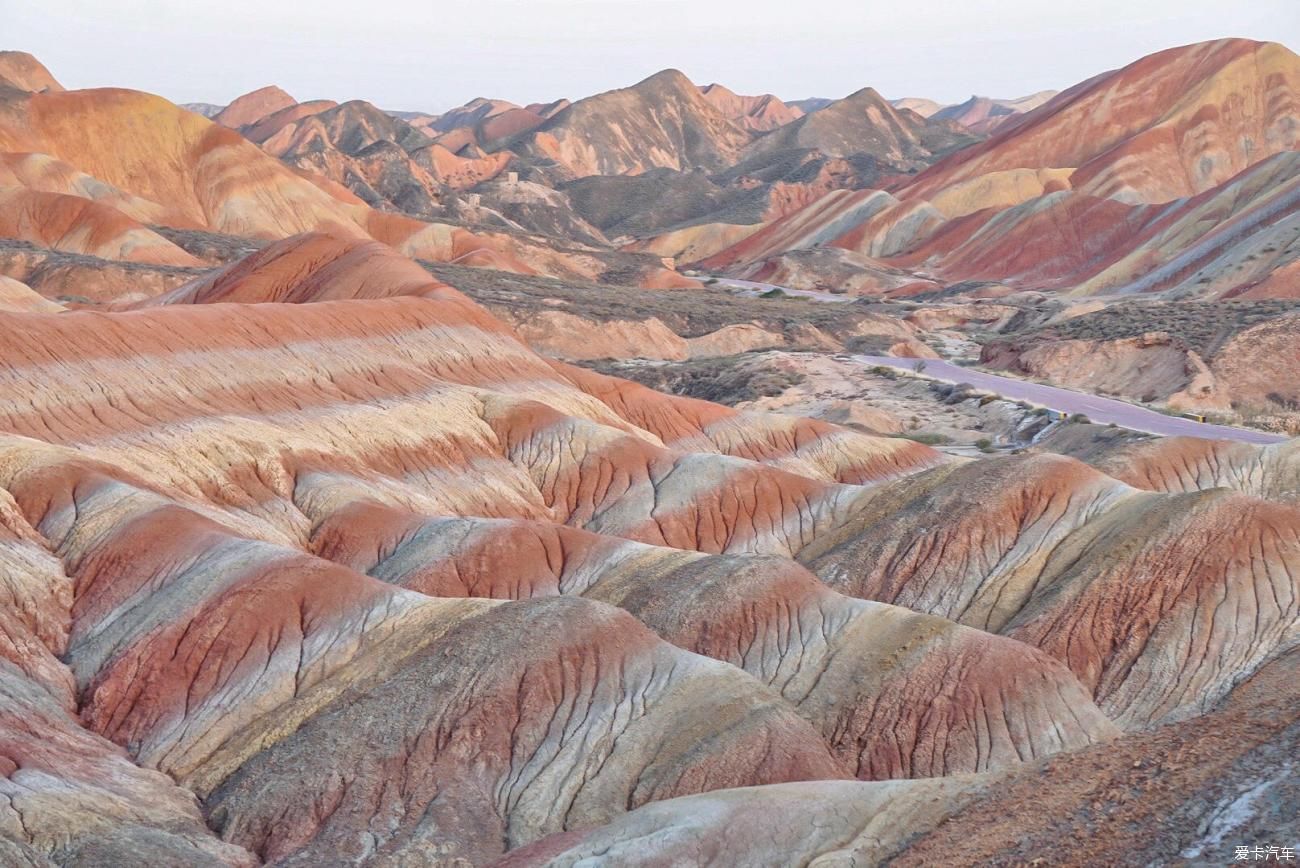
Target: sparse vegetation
<point>929,438</point>
<point>953,394</point>
<point>726,380</point>
<point>871,345</point>
<point>689,313</point>
<point>984,444</point>
<point>211,246</point>
<point>1203,327</point>
<point>1286,402</point>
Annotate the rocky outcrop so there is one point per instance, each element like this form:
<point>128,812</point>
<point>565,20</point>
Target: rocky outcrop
<point>865,123</point>
<point>190,173</point>
<point>18,296</point>
<point>77,225</point>
<point>1130,131</point>
<point>831,269</point>
<point>1114,583</point>
<point>1148,366</point>
<point>758,114</point>
<point>982,114</point>
<point>1103,189</point>
<point>768,617</point>
<point>663,121</point>
<point>229,650</point>
<point>22,71</point>
<point>73,797</point>
<point>769,826</point>
<point>1246,373</point>
<point>307,558</point>
<point>253,106</point>
<point>1185,464</point>
<point>1203,784</point>
<point>308,268</point>
<point>868,222</point>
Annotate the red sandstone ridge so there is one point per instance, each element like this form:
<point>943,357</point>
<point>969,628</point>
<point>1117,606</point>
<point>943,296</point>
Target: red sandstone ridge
<point>389,489</point>
<point>663,121</point>
<point>865,123</point>
<point>202,174</point>
<point>1173,124</point>
<point>756,113</point>
<point>982,114</point>
<point>488,122</point>
<point>1150,179</point>
<point>309,558</point>
<point>176,168</point>
<point>78,225</point>
<point>252,107</point>
<point>309,268</point>
<point>20,70</point>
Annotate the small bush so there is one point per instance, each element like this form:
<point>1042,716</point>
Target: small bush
<point>1081,419</point>
<point>984,444</point>
<point>774,292</point>
<point>956,394</point>
<point>1284,401</point>
<point>929,438</point>
<point>989,399</point>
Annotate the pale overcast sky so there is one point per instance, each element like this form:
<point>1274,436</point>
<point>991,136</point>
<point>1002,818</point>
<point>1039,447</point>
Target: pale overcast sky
<point>430,54</point>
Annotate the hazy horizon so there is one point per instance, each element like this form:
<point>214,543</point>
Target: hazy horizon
<point>408,56</point>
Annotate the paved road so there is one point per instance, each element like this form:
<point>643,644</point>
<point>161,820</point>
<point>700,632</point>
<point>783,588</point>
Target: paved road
<point>1096,408</point>
<point>1103,410</point>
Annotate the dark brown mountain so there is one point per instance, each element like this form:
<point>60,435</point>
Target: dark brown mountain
<point>865,123</point>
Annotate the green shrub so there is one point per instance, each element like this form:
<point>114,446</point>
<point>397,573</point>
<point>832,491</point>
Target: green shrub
<point>929,438</point>
<point>1081,419</point>
<point>984,444</point>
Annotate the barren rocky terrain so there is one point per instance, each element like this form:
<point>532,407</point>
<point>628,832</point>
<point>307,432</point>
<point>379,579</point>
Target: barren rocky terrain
<point>511,485</point>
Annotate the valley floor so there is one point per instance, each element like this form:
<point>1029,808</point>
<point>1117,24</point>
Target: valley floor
<point>1106,411</point>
